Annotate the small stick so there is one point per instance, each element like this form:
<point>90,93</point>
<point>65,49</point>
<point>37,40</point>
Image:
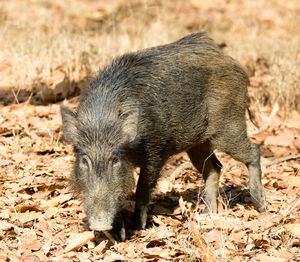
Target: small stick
<point>109,236</point>
<point>281,159</point>
<point>266,126</point>
<point>188,165</point>
<point>287,212</point>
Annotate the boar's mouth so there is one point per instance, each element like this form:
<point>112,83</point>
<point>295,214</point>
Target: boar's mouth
<point>100,228</point>
<point>97,224</point>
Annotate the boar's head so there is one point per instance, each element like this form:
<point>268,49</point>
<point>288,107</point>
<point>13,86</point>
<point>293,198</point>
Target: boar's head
<point>103,173</point>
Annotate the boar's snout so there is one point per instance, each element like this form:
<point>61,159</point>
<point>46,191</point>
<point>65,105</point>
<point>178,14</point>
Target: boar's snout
<point>100,223</point>
<point>101,209</point>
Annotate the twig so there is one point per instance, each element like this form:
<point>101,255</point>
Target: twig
<point>109,236</point>
<point>204,251</point>
<point>188,165</point>
<point>266,126</point>
<point>15,95</point>
<point>260,130</point>
<point>287,212</point>
<point>281,159</point>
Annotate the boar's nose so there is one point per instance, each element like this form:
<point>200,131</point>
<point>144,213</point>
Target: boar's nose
<point>100,228</point>
<point>99,225</point>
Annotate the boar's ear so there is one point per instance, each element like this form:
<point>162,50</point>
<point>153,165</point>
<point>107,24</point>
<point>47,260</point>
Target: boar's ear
<point>134,152</point>
<point>69,125</point>
<point>130,120</point>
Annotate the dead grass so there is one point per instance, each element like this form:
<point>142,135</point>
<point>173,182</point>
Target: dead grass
<point>31,52</point>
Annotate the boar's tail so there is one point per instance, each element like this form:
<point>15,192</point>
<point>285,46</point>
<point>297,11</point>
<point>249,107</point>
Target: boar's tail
<point>252,118</point>
<point>247,98</point>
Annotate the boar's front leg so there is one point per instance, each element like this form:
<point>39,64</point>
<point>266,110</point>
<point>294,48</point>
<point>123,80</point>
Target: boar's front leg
<point>146,183</point>
<point>119,232</point>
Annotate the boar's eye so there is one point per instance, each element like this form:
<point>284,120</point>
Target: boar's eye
<point>114,160</point>
<point>85,162</point>
<point>76,149</point>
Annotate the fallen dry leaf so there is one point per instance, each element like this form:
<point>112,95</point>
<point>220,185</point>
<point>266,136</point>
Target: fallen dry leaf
<point>75,241</point>
<point>101,247</point>
<point>4,226</point>
<point>280,140</point>
<point>26,217</point>
<point>294,181</point>
<point>294,229</point>
<point>56,201</point>
<point>284,254</point>
<point>267,258</point>
<point>203,250</point>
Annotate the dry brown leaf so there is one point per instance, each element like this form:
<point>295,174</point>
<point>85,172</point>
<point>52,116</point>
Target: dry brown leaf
<point>56,201</point>
<point>280,140</point>
<point>51,212</point>
<point>260,241</point>
<point>214,235</point>
<point>26,217</point>
<point>284,254</point>
<point>30,258</point>
<point>27,207</point>
<point>294,120</point>
<point>157,253</point>
<point>30,242</point>
<point>293,229</point>
<point>293,123</point>
<point>59,238</point>
<point>296,242</point>
<point>297,142</point>
<point>228,223</point>
<point>267,258</point>
<point>155,243</point>
<point>185,207</point>
<point>77,240</point>
<point>279,151</point>
<point>268,220</point>
<point>294,181</point>
<point>101,247</point>
<point>203,250</point>
<point>113,256</point>
<point>3,256</point>
<point>157,220</point>
<point>164,186</point>
<point>4,226</point>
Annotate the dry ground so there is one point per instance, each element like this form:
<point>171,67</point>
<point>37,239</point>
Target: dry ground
<point>49,50</point>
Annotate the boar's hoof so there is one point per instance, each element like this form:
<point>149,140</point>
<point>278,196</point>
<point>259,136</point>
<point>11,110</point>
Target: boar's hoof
<point>208,210</point>
<point>260,206</point>
<point>259,199</point>
<point>119,231</point>
<point>139,218</point>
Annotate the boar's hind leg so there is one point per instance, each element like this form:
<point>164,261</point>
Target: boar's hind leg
<point>206,163</point>
<point>237,144</point>
<point>147,181</point>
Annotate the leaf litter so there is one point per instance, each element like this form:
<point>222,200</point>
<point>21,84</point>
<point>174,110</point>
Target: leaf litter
<point>41,219</point>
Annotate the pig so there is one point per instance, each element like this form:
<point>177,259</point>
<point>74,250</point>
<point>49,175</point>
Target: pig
<point>148,105</point>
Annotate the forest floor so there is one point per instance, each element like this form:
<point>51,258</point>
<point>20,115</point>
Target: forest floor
<point>40,218</point>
